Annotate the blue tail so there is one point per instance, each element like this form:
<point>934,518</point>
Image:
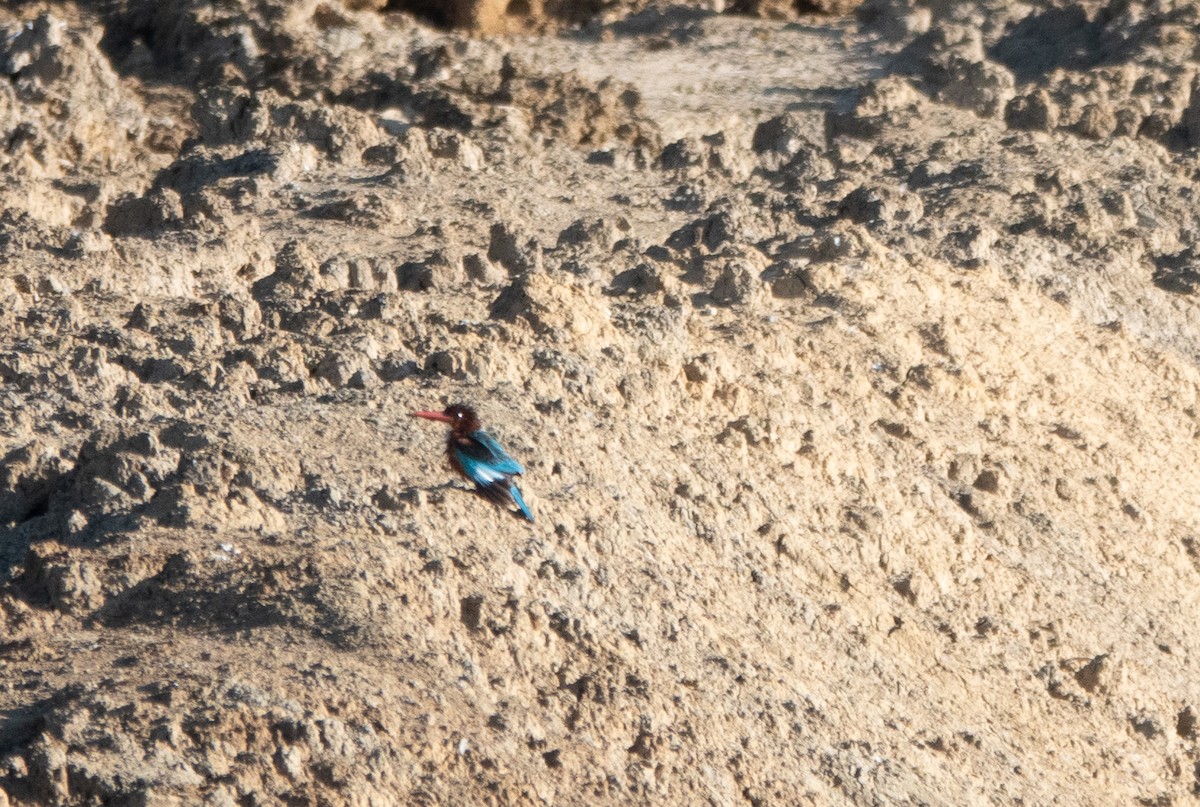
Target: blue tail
<point>516,494</point>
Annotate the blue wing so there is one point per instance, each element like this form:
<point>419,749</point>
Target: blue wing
<point>483,461</point>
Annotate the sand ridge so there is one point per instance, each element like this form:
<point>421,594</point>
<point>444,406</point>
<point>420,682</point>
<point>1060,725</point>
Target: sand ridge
<point>851,359</point>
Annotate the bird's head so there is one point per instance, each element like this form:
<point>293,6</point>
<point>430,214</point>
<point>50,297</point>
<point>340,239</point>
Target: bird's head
<point>462,419</point>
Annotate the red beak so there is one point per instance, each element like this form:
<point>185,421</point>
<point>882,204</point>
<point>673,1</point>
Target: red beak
<point>433,416</point>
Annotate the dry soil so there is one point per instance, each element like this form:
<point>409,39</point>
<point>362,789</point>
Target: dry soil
<point>853,362</point>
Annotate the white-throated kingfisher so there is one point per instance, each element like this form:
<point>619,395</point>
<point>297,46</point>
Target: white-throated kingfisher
<point>474,454</point>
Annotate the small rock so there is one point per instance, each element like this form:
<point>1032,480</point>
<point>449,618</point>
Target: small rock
<point>987,481</point>
<point>353,272</point>
<point>1178,273</point>
<point>789,279</point>
<point>687,198</point>
<point>321,493</point>
<point>240,315</point>
<point>230,115</point>
<point>782,134</point>
<point>861,205</point>
<point>48,771</point>
<point>779,139</point>
<point>709,232</point>
<point>362,210</point>
<point>414,276</point>
<point>290,762</point>
<point>982,86</point>
<point>443,362</point>
<point>679,156</point>
<point>881,205</point>
<point>76,522</point>
<point>876,104</point>
<point>1034,112</point>
<point>295,267</point>
<point>66,584</point>
<point>139,215</point>
<point>87,242</point>
<point>432,62</point>
<point>969,247</point>
<point>599,233</point>
<point>737,282</point>
<point>340,368</point>
<point>1097,122</point>
<point>455,146</point>
<point>481,270</point>
<point>435,271</point>
<point>397,367</point>
<point>641,279</point>
<point>381,154</point>
<point>512,302</point>
<point>514,252</point>
<point>389,498</point>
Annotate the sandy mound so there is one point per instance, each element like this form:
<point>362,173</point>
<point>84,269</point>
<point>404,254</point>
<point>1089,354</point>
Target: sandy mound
<point>852,361</point>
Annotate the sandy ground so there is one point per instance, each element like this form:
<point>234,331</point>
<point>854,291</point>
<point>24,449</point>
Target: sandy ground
<point>852,362</point>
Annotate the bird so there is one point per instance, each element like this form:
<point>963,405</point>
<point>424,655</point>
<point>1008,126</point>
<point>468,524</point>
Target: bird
<point>478,457</point>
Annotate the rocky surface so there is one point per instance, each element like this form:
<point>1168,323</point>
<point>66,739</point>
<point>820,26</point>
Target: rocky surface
<point>852,360</point>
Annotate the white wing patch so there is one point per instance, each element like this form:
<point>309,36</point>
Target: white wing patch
<point>487,476</point>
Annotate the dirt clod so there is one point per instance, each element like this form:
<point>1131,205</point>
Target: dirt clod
<point>848,350</point>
